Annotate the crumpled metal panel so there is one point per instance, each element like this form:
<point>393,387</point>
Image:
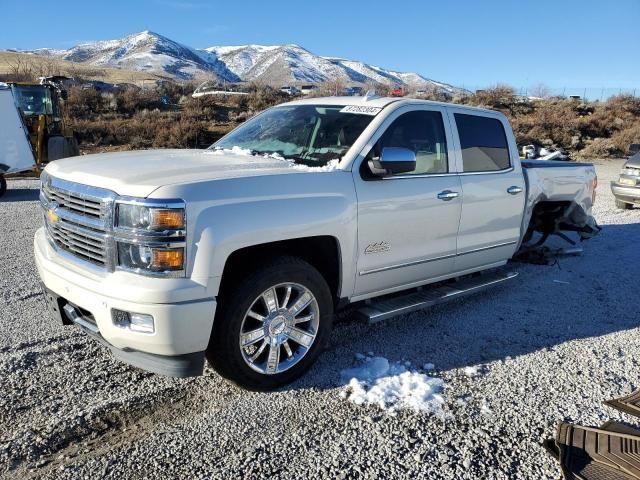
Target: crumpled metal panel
<point>572,183</point>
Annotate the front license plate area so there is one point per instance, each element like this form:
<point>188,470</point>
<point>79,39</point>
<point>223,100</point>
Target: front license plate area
<point>53,305</point>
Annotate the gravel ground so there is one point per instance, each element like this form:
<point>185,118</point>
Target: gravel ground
<point>549,346</point>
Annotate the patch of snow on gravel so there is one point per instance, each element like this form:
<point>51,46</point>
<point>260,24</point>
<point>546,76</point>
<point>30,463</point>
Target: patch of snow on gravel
<point>471,371</point>
<point>392,387</point>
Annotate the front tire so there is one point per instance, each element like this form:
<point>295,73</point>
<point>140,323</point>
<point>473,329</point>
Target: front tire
<point>3,185</point>
<point>623,205</point>
<point>272,325</point>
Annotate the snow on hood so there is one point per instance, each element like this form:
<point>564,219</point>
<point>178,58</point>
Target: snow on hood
<point>328,167</point>
<point>392,386</point>
<point>139,173</point>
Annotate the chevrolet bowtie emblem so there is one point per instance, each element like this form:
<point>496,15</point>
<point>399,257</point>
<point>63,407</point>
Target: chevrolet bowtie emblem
<point>52,216</point>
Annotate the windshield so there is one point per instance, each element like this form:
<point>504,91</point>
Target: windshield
<point>33,99</point>
<point>306,134</point>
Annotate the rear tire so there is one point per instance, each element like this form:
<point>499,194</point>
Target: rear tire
<point>623,205</point>
<point>3,185</point>
<point>284,339</point>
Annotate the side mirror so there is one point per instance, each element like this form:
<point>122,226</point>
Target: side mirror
<point>393,160</point>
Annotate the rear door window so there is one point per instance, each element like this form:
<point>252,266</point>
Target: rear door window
<point>483,142</point>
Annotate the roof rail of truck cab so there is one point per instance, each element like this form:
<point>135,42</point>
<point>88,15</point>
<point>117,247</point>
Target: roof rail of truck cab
<point>381,102</point>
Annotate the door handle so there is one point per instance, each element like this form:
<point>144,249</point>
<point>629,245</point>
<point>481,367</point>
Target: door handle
<point>447,195</point>
<point>514,190</point>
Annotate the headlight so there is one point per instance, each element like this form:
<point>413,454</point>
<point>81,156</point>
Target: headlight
<point>634,172</point>
<point>150,236</point>
<point>149,258</point>
<point>142,217</point>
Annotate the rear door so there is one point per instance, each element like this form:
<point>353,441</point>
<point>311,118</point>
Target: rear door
<point>408,223</point>
<point>493,188</point>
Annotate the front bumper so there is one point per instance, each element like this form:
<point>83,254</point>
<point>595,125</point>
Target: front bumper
<point>626,193</point>
<point>182,312</point>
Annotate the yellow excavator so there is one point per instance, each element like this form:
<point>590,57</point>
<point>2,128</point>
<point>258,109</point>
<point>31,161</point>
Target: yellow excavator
<point>41,119</point>
<point>42,110</point>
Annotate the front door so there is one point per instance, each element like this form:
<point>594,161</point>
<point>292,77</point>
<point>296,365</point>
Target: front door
<point>408,224</point>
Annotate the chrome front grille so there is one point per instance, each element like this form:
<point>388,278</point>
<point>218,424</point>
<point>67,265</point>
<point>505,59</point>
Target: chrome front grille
<point>79,219</point>
<point>79,204</point>
<point>86,244</point>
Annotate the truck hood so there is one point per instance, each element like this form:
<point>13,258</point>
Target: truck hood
<point>139,173</point>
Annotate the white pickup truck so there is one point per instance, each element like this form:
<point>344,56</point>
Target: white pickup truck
<point>242,253</point>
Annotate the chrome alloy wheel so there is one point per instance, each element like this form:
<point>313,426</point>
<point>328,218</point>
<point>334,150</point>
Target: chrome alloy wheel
<point>279,328</point>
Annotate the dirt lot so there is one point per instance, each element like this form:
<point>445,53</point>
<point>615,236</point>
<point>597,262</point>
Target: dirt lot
<point>549,346</point>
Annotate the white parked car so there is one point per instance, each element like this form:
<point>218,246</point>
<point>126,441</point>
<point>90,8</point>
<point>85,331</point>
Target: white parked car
<point>243,252</point>
<point>308,89</point>
<point>289,90</point>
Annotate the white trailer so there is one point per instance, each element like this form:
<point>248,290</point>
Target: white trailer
<point>15,149</point>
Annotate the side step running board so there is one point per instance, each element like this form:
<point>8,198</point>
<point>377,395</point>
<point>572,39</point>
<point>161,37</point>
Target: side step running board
<point>628,404</point>
<point>398,304</point>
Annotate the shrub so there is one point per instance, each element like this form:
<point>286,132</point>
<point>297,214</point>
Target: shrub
<point>132,100</point>
<point>598,148</point>
<point>622,139</point>
<point>84,103</point>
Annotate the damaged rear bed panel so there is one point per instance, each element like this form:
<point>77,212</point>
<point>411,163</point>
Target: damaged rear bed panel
<point>560,197</point>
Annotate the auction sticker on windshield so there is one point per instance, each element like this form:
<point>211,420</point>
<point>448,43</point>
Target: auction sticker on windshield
<point>361,109</point>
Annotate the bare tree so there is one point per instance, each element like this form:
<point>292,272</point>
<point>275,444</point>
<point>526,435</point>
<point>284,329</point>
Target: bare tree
<point>371,86</point>
<point>334,85</point>
<point>73,70</point>
<point>433,92</point>
<point>206,76</point>
<point>21,69</point>
<point>92,72</point>
<point>540,90</point>
<point>49,66</point>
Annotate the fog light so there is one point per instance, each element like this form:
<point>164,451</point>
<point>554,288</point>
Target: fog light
<point>169,259</point>
<point>136,322</point>
<point>150,259</point>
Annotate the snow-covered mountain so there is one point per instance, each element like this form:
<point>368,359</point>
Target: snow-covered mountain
<point>146,52</point>
<point>284,64</point>
<point>279,64</point>
<point>276,65</point>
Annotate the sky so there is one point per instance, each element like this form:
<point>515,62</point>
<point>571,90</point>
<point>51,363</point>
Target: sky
<point>563,44</point>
